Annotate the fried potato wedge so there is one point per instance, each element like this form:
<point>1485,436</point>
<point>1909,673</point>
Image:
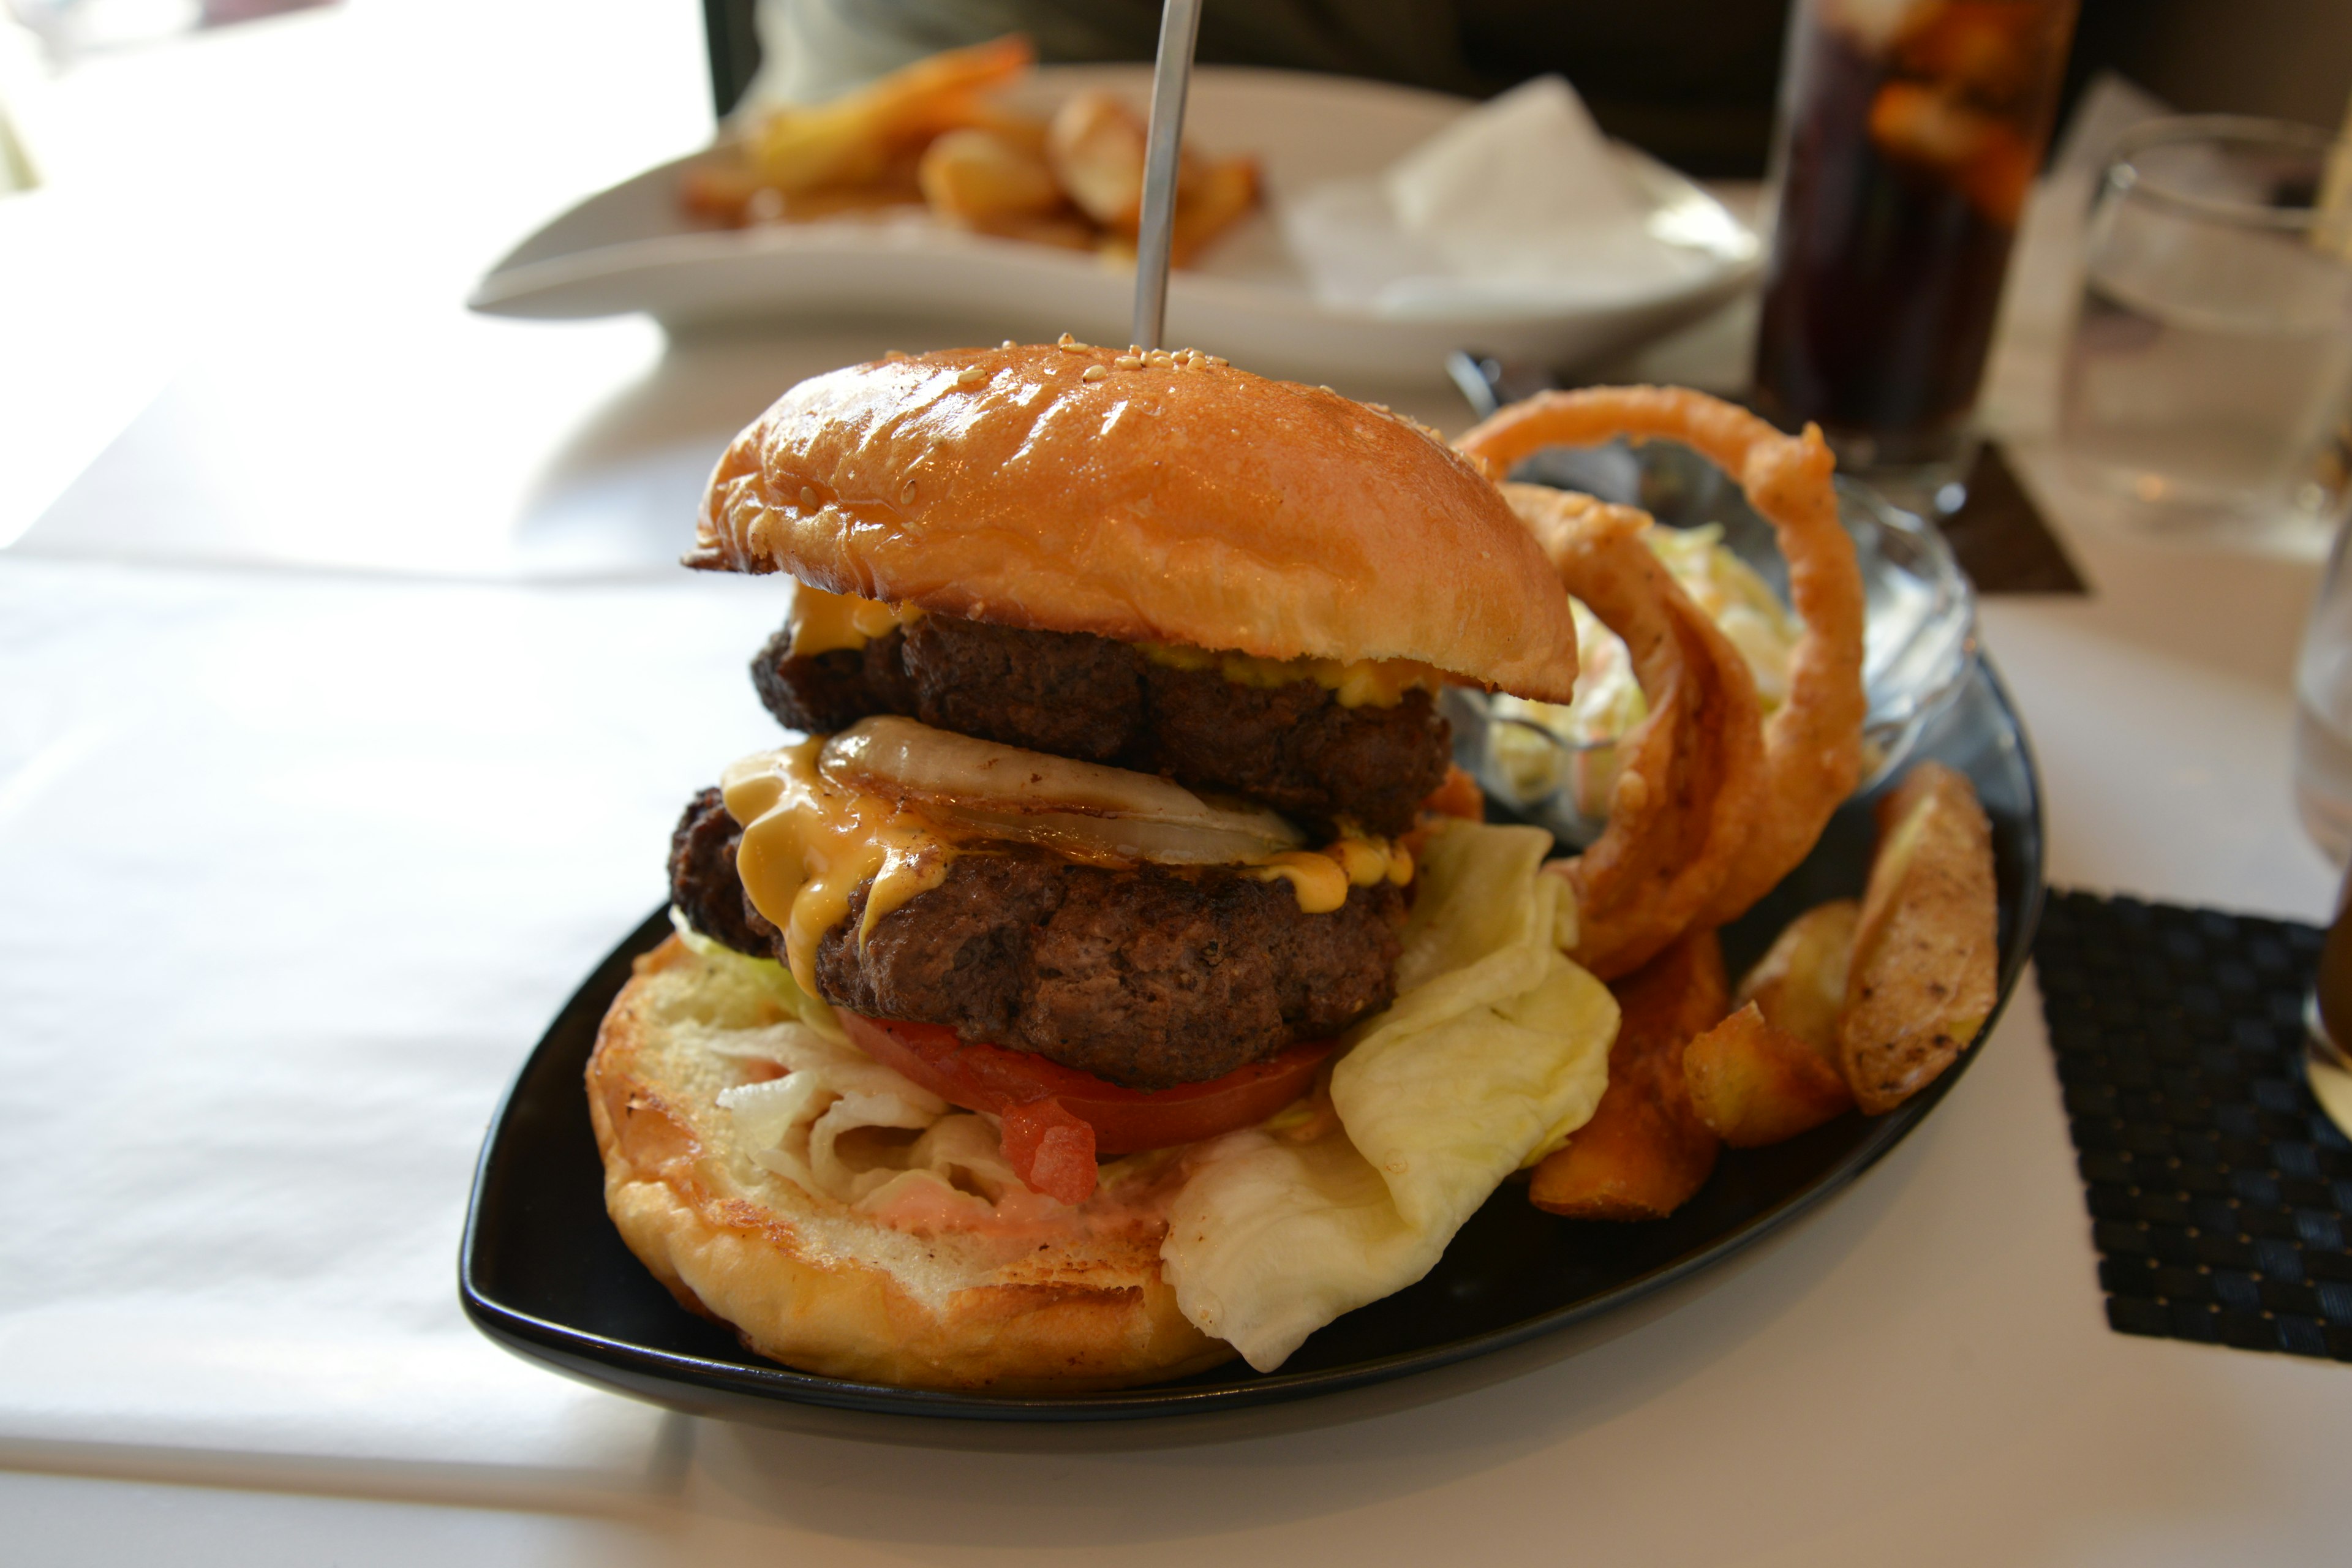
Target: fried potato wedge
<point>853,138</point>
<point>1925,972</point>
<point>1752,1084</point>
<point>1800,982</point>
<point>1226,192</point>
<point>983,180</point>
<point>1644,1152</point>
<point>1096,147</point>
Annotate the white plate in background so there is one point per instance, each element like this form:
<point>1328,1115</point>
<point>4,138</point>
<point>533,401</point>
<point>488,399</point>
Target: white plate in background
<point>633,248</point>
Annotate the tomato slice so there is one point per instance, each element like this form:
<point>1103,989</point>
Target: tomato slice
<point>1058,1120</point>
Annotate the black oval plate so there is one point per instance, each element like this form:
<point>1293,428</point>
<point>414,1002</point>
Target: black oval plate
<point>543,1272</point>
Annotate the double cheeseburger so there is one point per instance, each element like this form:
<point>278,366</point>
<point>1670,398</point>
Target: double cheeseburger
<point>1116,674</point>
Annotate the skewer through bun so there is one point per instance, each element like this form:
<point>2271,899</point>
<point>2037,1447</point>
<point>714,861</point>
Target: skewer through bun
<point>1156,497</point>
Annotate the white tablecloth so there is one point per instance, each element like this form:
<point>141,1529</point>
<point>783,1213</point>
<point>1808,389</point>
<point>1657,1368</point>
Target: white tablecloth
<point>303,837</point>
<point>296,870</point>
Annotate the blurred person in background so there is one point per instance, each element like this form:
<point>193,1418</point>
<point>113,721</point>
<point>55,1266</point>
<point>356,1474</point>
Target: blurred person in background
<point>1692,82</point>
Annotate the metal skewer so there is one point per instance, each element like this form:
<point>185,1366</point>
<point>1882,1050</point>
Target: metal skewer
<point>1179,26</point>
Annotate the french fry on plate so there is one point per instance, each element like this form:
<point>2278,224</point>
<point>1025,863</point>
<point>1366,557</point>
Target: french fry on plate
<point>1752,1083</point>
<point>1095,148</point>
<point>1923,975</point>
<point>853,138</point>
<point>983,179</point>
<point>1800,982</point>
<point>1226,192</point>
<point>1644,1152</point>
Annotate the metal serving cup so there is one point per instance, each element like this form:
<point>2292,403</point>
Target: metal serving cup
<point>1920,639</point>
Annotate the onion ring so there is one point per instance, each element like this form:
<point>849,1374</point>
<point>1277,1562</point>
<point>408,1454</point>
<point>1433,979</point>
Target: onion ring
<point>1812,745</point>
<point>1691,773</point>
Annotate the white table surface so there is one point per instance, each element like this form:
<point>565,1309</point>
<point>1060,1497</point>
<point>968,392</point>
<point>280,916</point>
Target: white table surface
<point>242,413</point>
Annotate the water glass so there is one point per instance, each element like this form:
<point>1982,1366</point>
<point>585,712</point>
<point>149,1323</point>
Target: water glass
<point>2327,1020</point>
<point>2322,713</point>
<point>2210,373</point>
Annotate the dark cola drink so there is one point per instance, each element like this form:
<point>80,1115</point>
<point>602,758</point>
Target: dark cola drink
<point>1911,131</point>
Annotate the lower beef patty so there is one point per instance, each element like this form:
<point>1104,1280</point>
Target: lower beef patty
<point>1150,978</point>
<point>1296,747</point>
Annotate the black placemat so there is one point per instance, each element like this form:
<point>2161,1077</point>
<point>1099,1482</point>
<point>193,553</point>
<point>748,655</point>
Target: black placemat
<point>2220,1195</point>
<point>2000,538</point>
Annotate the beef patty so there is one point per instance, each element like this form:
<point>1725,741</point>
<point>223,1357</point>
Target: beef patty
<point>1149,978</point>
<point>1295,747</point>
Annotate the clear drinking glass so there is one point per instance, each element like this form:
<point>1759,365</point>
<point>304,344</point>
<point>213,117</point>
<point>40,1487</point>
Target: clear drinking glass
<point>2328,1021</point>
<point>2323,712</point>
<point>1910,134</point>
<point>2210,374</point>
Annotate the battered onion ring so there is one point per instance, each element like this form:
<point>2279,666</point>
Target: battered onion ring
<point>1813,746</point>
<point>1690,775</point>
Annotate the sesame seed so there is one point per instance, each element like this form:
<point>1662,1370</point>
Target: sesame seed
<point>1069,344</point>
<point>1094,373</point>
<point>1218,362</point>
<point>1128,362</point>
<point>906,494</point>
<point>971,376</point>
<point>808,498</point>
<point>1005,344</point>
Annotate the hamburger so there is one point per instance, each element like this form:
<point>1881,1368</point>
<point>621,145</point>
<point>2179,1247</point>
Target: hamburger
<point>1112,936</point>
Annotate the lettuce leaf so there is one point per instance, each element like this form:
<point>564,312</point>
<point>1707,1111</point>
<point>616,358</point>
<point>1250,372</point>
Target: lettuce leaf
<point>1495,1049</point>
<point>765,973</point>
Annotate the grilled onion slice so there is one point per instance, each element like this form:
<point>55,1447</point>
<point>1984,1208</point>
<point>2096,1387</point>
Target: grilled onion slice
<point>1083,810</point>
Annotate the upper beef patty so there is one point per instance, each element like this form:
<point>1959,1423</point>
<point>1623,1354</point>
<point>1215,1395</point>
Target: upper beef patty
<point>1296,747</point>
<point>1149,978</point>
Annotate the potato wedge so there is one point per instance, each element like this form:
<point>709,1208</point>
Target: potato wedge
<point>1644,1152</point>
<point>719,189</point>
<point>1752,1084</point>
<point>1925,972</point>
<point>980,179</point>
<point>1800,982</point>
<point>854,138</point>
<point>1224,195</point>
<point>1095,148</point>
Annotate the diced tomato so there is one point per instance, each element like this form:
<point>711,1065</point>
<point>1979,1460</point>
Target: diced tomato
<point>1059,1120</point>
<point>1051,1149</point>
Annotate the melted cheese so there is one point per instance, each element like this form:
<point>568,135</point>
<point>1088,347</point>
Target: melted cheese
<point>823,622</point>
<point>808,842</point>
<point>1321,877</point>
<point>1358,683</point>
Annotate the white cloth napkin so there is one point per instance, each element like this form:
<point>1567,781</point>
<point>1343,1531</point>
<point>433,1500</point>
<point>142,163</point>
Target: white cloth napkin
<point>293,871</point>
<point>1519,207</point>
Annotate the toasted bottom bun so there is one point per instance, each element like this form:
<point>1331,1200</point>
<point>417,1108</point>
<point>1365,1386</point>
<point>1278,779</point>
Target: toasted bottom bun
<point>817,1285</point>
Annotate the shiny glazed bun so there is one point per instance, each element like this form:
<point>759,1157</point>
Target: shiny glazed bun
<point>1147,499</point>
<point>816,1284</point>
